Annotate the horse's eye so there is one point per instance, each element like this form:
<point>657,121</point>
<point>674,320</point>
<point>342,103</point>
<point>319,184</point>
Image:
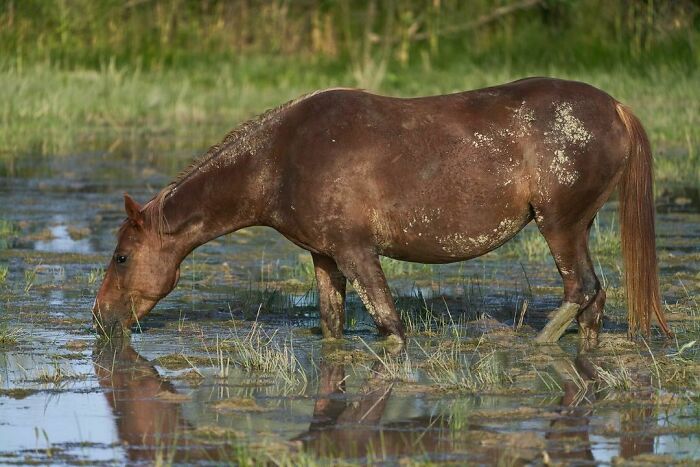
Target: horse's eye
<point>120,259</point>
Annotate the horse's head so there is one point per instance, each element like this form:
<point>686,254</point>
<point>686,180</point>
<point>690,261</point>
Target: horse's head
<point>144,268</point>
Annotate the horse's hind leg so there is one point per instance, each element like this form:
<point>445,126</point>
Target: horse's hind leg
<point>331,293</point>
<point>583,296</point>
<point>363,270</point>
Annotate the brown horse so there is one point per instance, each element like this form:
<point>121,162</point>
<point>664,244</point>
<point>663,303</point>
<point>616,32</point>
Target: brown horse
<point>350,176</point>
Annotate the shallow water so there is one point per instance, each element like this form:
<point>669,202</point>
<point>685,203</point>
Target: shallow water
<point>66,397</point>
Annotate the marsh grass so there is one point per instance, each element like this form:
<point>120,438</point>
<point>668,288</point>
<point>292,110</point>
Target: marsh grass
<point>8,230</point>
<point>260,352</point>
<point>30,278</point>
<point>423,323</point>
<point>690,307</point>
<point>530,244</point>
<point>268,299</point>
<point>451,369</point>
<point>95,274</point>
<point>394,268</point>
<point>487,373</point>
<point>56,375</point>
<point>393,366</point>
<point>617,377</point>
<point>9,335</point>
<point>550,383</point>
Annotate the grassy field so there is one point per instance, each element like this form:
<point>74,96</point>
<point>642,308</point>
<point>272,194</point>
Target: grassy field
<point>85,76</point>
<point>54,111</point>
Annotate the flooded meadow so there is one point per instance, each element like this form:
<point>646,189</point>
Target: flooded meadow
<point>231,367</point>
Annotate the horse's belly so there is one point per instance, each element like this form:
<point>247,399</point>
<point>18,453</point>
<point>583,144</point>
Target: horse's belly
<point>442,240</point>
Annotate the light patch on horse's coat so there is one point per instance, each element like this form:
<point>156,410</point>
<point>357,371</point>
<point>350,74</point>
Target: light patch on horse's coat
<point>524,116</point>
<point>364,297</point>
<point>569,128</point>
<point>566,128</point>
<point>567,137</point>
<point>459,244</point>
<point>419,218</point>
<point>562,168</point>
<point>481,140</point>
<point>380,230</point>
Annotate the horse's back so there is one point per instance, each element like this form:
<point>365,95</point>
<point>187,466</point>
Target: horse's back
<point>443,178</point>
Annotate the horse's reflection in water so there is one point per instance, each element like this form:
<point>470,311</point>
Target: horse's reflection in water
<point>345,426</point>
<point>150,422</point>
<point>570,431</point>
<point>149,419</point>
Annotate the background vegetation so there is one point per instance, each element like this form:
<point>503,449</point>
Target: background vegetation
<point>84,74</point>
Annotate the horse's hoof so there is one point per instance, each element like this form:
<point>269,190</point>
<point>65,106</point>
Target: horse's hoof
<point>394,343</point>
<point>392,339</point>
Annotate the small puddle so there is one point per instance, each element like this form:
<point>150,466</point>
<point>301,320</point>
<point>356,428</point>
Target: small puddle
<point>60,241</point>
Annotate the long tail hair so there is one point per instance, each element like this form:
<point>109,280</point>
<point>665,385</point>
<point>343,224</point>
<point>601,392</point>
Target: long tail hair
<point>637,230</point>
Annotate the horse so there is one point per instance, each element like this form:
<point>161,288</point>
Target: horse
<point>351,176</point>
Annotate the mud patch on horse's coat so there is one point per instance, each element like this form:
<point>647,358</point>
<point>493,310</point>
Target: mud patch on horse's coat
<point>566,138</point>
<point>568,128</point>
<point>481,140</point>
<point>524,116</point>
<point>562,168</point>
<point>458,244</point>
<point>380,229</point>
<point>364,297</point>
<point>419,218</point>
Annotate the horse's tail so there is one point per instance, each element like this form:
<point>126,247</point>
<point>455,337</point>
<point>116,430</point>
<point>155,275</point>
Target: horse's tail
<point>637,230</point>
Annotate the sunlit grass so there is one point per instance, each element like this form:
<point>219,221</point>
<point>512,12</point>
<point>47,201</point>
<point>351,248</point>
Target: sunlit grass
<point>4,271</point>
<point>53,111</point>
<point>530,244</point>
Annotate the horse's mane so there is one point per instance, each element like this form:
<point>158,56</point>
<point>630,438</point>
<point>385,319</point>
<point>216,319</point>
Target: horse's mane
<point>241,137</point>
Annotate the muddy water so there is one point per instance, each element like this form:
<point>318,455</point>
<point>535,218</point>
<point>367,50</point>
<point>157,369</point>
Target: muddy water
<point>468,389</point>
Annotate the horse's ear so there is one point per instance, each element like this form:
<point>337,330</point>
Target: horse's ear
<point>133,211</point>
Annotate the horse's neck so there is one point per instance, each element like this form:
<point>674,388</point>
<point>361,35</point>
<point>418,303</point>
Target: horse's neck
<point>211,203</point>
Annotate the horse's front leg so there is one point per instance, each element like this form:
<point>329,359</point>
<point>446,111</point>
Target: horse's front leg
<point>362,268</point>
<point>331,293</point>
